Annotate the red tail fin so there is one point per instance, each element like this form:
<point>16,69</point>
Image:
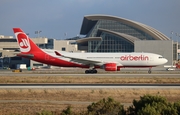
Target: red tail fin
<point>26,45</point>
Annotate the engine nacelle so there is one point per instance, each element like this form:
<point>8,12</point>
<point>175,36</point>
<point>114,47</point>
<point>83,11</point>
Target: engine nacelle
<point>110,67</point>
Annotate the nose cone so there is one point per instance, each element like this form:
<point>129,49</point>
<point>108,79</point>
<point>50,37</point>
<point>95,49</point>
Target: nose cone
<point>165,60</point>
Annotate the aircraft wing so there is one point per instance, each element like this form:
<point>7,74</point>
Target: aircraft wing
<point>79,60</point>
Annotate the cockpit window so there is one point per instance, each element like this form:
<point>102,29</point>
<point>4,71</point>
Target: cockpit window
<point>161,57</point>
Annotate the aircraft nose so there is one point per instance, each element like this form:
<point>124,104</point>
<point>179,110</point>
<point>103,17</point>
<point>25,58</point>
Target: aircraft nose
<point>165,60</point>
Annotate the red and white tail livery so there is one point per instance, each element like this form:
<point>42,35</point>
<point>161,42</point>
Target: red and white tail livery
<point>26,45</point>
<point>106,61</point>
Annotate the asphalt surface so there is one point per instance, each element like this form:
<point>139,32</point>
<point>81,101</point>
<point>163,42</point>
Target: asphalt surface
<point>95,75</point>
<point>89,86</point>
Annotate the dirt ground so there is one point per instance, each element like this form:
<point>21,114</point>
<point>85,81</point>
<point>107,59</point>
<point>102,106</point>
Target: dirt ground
<point>89,79</point>
<point>32,101</point>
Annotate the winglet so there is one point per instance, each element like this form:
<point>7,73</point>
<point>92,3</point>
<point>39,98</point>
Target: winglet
<point>57,53</point>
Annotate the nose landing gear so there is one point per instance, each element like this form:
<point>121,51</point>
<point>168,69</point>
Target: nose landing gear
<point>149,71</point>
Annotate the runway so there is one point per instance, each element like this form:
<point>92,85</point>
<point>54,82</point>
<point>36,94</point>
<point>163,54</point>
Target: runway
<point>86,75</point>
<point>88,86</point>
<point>101,73</point>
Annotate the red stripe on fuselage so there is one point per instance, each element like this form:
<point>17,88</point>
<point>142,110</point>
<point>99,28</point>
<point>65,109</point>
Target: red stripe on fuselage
<point>48,59</point>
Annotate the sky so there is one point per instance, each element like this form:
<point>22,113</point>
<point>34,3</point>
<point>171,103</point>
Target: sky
<point>57,17</point>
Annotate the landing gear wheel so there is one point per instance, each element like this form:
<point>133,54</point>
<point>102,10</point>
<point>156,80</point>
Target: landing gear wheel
<point>149,71</point>
<point>91,71</point>
<point>87,71</point>
<point>95,71</point>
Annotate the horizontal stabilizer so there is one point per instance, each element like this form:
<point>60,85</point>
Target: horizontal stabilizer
<point>25,55</point>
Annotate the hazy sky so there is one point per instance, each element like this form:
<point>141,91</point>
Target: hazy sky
<point>56,17</point>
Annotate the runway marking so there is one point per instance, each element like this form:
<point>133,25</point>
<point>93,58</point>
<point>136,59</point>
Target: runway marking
<point>90,87</point>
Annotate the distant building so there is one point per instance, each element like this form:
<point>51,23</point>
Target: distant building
<point>114,34</point>
<point>9,49</point>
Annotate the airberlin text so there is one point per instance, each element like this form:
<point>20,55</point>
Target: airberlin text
<point>134,58</point>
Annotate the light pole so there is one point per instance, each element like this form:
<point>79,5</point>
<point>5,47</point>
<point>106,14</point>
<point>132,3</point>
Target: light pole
<point>172,35</point>
<point>38,32</point>
<point>65,35</point>
<point>177,35</point>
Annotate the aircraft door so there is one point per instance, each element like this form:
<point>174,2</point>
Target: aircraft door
<point>150,60</point>
<point>46,57</point>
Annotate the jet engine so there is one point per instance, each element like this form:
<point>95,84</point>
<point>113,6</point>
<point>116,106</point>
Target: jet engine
<point>110,67</point>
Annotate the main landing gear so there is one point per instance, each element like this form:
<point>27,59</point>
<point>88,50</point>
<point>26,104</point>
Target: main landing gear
<point>91,71</point>
<point>149,71</point>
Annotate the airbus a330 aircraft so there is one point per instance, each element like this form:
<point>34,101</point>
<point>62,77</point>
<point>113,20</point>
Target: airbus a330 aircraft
<point>106,61</point>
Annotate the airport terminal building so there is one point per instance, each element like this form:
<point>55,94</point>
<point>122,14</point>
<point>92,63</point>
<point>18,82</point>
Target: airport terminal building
<point>104,33</point>
<point>114,34</point>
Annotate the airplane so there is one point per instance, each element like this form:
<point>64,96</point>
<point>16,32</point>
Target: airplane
<point>106,61</point>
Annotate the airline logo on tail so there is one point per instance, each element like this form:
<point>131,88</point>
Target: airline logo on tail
<point>23,41</point>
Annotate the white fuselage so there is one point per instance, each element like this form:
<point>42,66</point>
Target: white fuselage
<point>121,59</point>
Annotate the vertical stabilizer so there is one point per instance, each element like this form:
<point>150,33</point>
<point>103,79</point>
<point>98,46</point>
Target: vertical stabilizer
<point>26,45</point>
